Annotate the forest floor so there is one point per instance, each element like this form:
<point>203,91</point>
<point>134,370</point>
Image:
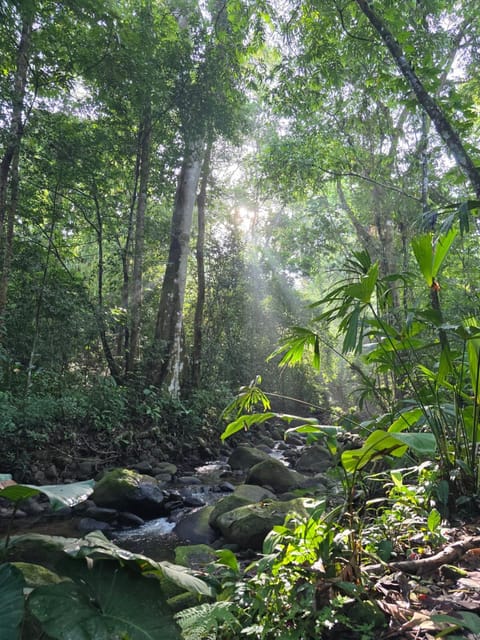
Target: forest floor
<point>426,598</point>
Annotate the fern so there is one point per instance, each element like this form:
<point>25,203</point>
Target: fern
<point>203,622</point>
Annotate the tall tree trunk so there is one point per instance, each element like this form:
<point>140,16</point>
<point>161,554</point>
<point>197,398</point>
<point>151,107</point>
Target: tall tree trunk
<point>137,275</point>
<point>7,248</point>
<point>10,160</point>
<point>165,364</point>
<point>39,302</point>
<point>123,336</point>
<point>200,303</point>
<point>100,311</point>
<point>444,129</point>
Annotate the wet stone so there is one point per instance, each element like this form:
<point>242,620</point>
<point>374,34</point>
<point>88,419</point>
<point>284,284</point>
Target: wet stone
<point>87,525</point>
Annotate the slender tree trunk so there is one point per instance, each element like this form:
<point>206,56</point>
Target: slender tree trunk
<point>8,238</point>
<point>137,275</point>
<point>444,129</point>
<point>10,160</point>
<point>39,303</point>
<point>200,303</point>
<point>165,365</point>
<point>100,311</point>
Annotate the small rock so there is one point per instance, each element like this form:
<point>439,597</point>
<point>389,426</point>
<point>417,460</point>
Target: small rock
<point>162,477</point>
<point>33,507</point>
<point>193,501</point>
<point>186,480</point>
<point>143,467</point>
<point>129,519</point>
<point>101,513</point>
<point>39,477</point>
<point>227,487</point>
<point>86,468</point>
<point>87,525</point>
<point>166,467</point>
<point>173,505</point>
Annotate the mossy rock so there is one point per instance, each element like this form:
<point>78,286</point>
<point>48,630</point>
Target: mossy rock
<point>314,459</point>
<point>248,526</point>
<point>195,527</point>
<point>275,475</point>
<point>244,457</point>
<point>195,556</point>
<point>244,494</point>
<point>127,490</point>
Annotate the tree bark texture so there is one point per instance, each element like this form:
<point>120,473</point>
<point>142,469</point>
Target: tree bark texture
<point>166,364</point>
<point>136,297</point>
<point>200,302</point>
<point>100,311</point>
<point>10,160</point>
<point>444,128</point>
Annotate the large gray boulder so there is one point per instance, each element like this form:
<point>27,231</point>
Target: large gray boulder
<point>275,475</point>
<point>314,459</point>
<point>248,526</point>
<point>195,527</point>
<point>127,490</point>
<point>243,457</point>
<point>244,494</point>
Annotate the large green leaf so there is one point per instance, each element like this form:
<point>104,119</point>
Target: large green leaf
<point>423,251</point>
<point>422,443</point>
<point>18,492</point>
<point>66,495</point>
<point>405,420</point>
<point>382,443</point>
<point>96,546</point>
<point>430,254</point>
<point>378,444</point>
<point>11,602</point>
<point>243,423</point>
<point>60,495</point>
<point>441,248</point>
<point>104,602</point>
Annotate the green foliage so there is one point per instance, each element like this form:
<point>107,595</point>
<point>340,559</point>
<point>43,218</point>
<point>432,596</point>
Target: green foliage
<point>380,444</point>
<point>431,254</point>
<point>11,601</point>
<point>204,621</point>
<point>97,590</point>
<point>300,587</point>
<point>98,603</point>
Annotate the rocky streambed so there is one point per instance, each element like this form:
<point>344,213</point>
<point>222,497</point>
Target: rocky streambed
<point>233,501</point>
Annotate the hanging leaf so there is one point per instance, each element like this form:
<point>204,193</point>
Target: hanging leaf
<point>378,444</point>
<point>350,325</point>
<point>441,248</point>
<point>423,251</point>
<point>406,420</point>
<point>243,423</point>
<point>294,347</point>
<point>382,443</point>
